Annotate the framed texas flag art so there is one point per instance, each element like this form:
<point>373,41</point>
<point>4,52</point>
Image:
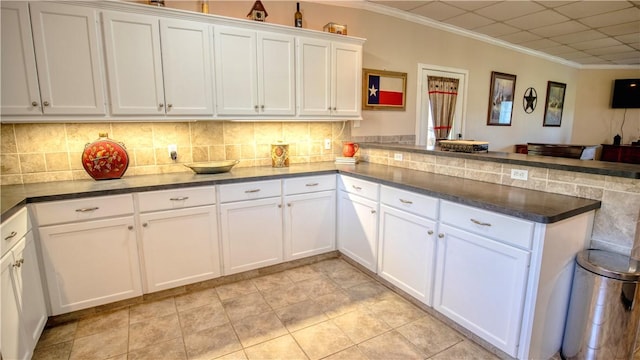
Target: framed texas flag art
<point>383,90</point>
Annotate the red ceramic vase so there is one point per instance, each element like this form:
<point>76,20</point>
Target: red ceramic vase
<point>105,159</point>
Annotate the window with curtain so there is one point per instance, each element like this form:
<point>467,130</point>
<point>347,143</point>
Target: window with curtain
<point>443,93</point>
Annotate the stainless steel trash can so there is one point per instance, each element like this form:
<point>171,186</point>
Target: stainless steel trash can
<point>604,310</point>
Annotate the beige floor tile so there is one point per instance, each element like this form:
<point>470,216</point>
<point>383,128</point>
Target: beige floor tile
<point>271,281</point>
<point>102,345</point>
<point>166,350</point>
<point>284,347</point>
<point>103,322</point>
<point>211,343</point>
<point>282,296</point>
<point>58,334</point>
<point>256,329</point>
<point>390,345</point>
<point>348,277</point>
<point>368,293</point>
<point>152,331</point>
<point>119,357</point>
<point>238,355</point>
<point>322,340</point>
<point>236,289</point>
<point>337,303</point>
<point>465,350</point>
<point>395,311</point>
<point>318,286</point>
<point>197,299</point>
<point>352,353</point>
<point>204,317</point>
<point>151,310</point>
<point>430,335</point>
<point>301,315</point>
<point>247,305</point>
<point>59,351</point>
<point>360,326</point>
<point>302,273</point>
<point>331,266</point>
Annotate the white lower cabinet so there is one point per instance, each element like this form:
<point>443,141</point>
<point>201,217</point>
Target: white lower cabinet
<point>310,224</point>
<point>252,228</point>
<point>22,303</point>
<point>358,229</point>
<point>407,252</point>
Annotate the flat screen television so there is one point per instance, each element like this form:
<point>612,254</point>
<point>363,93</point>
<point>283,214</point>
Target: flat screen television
<point>626,94</point>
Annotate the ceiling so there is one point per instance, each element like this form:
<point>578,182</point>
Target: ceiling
<point>585,33</point>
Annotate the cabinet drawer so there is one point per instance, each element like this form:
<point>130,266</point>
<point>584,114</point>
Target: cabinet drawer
<point>250,190</point>
<point>363,188</point>
<point>309,184</point>
<point>418,204</point>
<point>14,229</point>
<point>176,198</point>
<point>58,212</point>
<point>507,229</point>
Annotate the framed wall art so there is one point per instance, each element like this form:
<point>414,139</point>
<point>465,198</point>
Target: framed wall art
<point>501,96</point>
<point>554,104</point>
<point>384,90</point>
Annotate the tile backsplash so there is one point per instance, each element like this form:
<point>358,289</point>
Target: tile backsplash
<point>31,153</point>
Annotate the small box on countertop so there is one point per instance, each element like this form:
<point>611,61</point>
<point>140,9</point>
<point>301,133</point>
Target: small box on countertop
<point>335,28</point>
<point>469,146</point>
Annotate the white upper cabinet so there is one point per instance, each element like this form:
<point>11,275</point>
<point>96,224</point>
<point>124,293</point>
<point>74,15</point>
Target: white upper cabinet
<point>147,79</point>
<point>69,71</point>
<point>329,78</point>
<point>255,73</point>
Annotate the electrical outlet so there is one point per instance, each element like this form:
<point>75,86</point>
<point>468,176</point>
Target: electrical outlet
<point>327,144</point>
<point>519,174</point>
<point>397,156</point>
<point>173,151</point>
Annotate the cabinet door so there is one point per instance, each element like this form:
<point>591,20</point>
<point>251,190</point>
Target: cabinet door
<point>407,252</point>
<point>235,63</point>
<point>276,74</point>
<point>29,286</point>
<point>480,284</point>
<point>180,247</point>
<point>251,234</point>
<point>310,224</point>
<point>68,59</point>
<point>314,77</point>
<point>14,342</point>
<point>187,68</point>
<point>346,75</point>
<point>358,229</point>
<point>20,91</point>
<point>134,66</point>
<point>90,263</point>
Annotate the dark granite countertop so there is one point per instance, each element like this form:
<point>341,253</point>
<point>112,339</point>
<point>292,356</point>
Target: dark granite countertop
<point>631,171</point>
<point>523,203</point>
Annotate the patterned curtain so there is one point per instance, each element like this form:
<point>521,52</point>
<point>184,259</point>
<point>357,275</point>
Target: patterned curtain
<point>443,93</point>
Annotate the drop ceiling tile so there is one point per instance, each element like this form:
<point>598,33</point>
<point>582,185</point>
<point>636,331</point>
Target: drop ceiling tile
<point>609,50</point>
<point>438,11</point>
<point>519,37</point>
<point>471,5</point>
<point>559,50</point>
<point>540,44</point>
<point>402,5</point>
<point>627,62</point>
<point>622,29</point>
<point>613,18</point>
<point>593,44</point>
<point>592,60</point>
<point>579,37</point>
<point>496,29</point>
<point>581,9</point>
<point>509,9</point>
<point>469,21</point>
<point>553,4</point>
<point>622,56</point>
<point>537,20</point>
<point>560,29</point>
<point>575,55</point>
<point>632,40</point>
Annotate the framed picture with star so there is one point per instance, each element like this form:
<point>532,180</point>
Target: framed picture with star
<point>384,90</point>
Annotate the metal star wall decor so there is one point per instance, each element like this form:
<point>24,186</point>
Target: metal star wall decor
<point>530,100</point>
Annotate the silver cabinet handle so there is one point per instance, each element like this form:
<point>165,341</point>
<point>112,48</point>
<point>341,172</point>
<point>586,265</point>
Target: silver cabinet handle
<point>11,236</point>
<point>182,198</point>
<point>18,263</point>
<point>169,106</point>
<point>161,105</point>
<point>46,103</point>
<point>261,107</point>
<point>356,187</point>
<point>251,191</point>
<point>441,235</point>
<point>312,184</point>
<point>130,227</point>
<point>430,232</point>
<point>373,211</point>
<point>88,209</point>
<point>478,222</point>
<point>255,107</point>
<point>279,206</point>
<point>329,108</point>
<point>289,205</point>
<point>145,224</point>
<point>334,109</point>
<point>34,103</point>
<point>406,201</point>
